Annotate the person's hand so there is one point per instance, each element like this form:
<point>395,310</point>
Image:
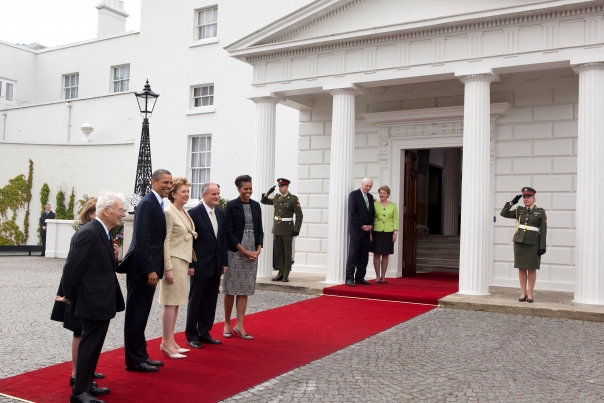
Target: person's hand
<point>541,252</point>
<point>169,276</point>
<point>249,255</point>
<point>370,237</point>
<point>271,190</point>
<point>295,233</point>
<point>44,228</point>
<point>62,299</point>
<point>191,272</point>
<point>394,236</point>
<point>515,200</point>
<point>224,269</point>
<point>152,279</point>
<point>116,250</point>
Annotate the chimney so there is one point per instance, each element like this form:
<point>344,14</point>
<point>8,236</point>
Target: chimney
<point>112,17</point>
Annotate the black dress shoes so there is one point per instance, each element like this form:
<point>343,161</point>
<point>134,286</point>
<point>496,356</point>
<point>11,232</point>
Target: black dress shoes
<point>285,279</point>
<point>96,391</point>
<point>209,340</point>
<point>351,283</point>
<point>84,398</point>
<point>363,281</point>
<point>72,382</point>
<point>195,344</point>
<point>143,367</point>
<point>98,376</point>
<point>277,278</point>
<point>154,363</point>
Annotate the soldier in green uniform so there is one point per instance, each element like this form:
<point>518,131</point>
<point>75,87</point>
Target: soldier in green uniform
<point>286,206</point>
<point>529,239</point>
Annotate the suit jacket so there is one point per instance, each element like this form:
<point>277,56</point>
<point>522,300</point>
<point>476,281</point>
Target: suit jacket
<point>179,237</point>
<point>210,250</point>
<point>146,252</point>
<point>43,218</point>
<point>358,213</point>
<point>89,279</point>
<point>235,223</point>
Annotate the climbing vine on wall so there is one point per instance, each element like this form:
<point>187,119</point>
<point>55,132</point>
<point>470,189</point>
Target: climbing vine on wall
<point>60,210</point>
<point>44,193</point>
<point>15,197</point>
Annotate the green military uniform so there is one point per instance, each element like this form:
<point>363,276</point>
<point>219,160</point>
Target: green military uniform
<point>530,234</point>
<point>284,227</point>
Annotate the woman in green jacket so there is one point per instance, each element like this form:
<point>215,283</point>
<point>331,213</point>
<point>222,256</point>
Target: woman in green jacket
<point>529,239</point>
<point>383,236</point>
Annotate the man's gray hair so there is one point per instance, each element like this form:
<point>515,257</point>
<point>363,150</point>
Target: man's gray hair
<point>159,173</point>
<point>205,188</point>
<point>107,198</point>
<point>367,180</point>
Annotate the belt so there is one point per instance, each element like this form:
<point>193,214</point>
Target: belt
<point>527,228</point>
<point>283,219</point>
<point>248,231</point>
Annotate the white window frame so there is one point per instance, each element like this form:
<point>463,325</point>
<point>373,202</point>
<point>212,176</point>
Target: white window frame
<point>197,94</point>
<point>202,27</point>
<point>121,81</point>
<point>71,87</point>
<point>11,92</point>
<point>200,162</point>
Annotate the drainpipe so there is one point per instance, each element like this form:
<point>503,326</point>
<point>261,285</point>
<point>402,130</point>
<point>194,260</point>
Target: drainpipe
<point>68,119</point>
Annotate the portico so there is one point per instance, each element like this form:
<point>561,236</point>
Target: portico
<point>496,82</point>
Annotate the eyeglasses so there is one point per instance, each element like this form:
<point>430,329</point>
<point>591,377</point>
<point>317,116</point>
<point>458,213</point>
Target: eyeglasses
<point>527,197</point>
<point>121,210</point>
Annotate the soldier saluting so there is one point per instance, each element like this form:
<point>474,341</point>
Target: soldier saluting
<point>284,229</point>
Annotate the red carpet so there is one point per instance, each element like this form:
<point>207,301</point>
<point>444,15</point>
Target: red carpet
<point>286,338</point>
<point>424,288</point>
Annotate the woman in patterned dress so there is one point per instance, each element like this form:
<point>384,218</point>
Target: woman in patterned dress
<point>245,237</point>
<point>178,258</point>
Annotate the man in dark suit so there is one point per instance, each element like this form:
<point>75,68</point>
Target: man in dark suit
<point>92,290</point>
<point>47,215</point>
<point>211,252</point>
<point>361,213</point>
<point>144,265</point>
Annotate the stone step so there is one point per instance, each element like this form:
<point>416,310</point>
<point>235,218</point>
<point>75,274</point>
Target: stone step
<point>440,238</point>
<point>451,256</point>
<point>438,262</point>
<point>438,247</point>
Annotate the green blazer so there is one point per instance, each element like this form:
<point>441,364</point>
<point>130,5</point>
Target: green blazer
<point>535,218</point>
<point>386,218</point>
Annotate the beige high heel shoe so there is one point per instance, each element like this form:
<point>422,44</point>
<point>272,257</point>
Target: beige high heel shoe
<point>169,354</point>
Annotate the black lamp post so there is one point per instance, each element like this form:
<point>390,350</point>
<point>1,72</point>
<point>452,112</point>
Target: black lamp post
<point>142,185</point>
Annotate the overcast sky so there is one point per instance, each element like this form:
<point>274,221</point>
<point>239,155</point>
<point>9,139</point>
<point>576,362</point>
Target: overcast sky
<point>56,22</point>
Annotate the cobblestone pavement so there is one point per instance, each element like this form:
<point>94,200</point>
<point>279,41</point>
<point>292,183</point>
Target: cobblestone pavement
<point>442,356</point>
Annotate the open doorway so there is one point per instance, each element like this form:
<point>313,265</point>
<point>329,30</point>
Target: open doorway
<point>431,213</point>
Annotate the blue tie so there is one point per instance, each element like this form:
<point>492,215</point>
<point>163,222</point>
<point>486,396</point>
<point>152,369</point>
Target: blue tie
<point>108,236</point>
<point>162,205</point>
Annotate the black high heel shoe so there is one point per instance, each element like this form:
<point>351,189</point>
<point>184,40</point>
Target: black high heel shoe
<point>529,300</point>
<point>523,299</point>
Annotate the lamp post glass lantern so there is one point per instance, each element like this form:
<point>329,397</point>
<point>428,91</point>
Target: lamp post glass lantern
<point>142,185</point>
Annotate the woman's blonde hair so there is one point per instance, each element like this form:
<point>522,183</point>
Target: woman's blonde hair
<point>176,184</point>
<point>88,212</point>
<point>385,189</point>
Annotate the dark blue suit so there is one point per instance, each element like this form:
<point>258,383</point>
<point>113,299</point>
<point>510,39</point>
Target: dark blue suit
<point>358,249</point>
<point>145,255</point>
<point>211,254</point>
<point>90,283</point>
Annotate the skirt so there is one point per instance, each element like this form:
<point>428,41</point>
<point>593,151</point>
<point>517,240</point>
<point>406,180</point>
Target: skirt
<point>382,243</point>
<point>526,256</point>
<point>176,293</point>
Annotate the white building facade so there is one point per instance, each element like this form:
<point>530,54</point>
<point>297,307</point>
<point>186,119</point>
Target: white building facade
<point>505,93</point>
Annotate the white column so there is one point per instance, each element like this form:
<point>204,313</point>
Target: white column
<point>451,182</point>
<point>589,281</point>
<point>263,173</point>
<point>475,186</point>
<point>341,178</point>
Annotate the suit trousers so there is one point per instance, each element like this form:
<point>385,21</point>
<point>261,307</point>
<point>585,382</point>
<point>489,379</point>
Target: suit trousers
<point>358,256</point>
<point>283,246</point>
<point>138,307</point>
<point>89,351</point>
<point>203,296</point>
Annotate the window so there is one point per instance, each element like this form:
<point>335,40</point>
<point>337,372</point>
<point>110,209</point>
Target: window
<point>203,96</point>
<point>70,86</point>
<point>9,92</point>
<point>207,23</point>
<point>201,147</point>
<point>121,78</point>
